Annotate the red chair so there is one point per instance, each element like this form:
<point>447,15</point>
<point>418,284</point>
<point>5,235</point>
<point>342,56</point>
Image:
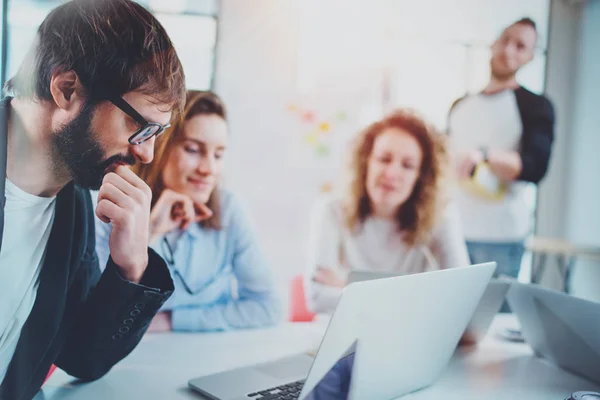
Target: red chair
<point>50,371</point>
<point>298,312</point>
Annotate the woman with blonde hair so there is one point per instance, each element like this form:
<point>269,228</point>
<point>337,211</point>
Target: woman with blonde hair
<point>222,280</point>
<point>394,216</point>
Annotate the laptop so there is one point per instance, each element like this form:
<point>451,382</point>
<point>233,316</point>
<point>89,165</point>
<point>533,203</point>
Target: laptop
<point>388,337</point>
<point>560,328</point>
<point>484,314</point>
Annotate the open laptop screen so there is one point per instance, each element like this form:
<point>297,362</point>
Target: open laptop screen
<point>336,384</point>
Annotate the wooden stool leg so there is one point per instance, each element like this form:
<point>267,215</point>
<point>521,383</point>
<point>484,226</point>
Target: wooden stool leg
<point>566,275</point>
<point>538,270</point>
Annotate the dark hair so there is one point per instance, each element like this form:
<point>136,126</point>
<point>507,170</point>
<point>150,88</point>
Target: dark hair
<point>526,21</point>
<point>197,103</point>
<point>114,47</point>
<point>203,103</point>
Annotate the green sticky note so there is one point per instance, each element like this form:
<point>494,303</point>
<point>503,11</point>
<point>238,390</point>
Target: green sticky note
<point>322,150</point>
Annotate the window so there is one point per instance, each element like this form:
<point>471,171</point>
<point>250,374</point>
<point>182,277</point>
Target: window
<point>191,24</point>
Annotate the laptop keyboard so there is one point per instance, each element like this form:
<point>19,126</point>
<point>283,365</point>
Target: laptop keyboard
<point>291,391</point>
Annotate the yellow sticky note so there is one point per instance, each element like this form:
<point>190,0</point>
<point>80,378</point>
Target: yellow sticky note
<point>311,139</point>
<point>485,184</point>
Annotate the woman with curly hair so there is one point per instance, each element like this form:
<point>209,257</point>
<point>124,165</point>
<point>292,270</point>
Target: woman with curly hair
<point>394,216</point>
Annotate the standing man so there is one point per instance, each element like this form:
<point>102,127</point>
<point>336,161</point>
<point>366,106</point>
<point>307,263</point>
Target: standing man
<point>501,140</point>
<point>100,82</point>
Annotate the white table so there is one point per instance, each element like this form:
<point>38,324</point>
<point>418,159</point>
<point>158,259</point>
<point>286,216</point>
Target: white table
<point>161,365</point>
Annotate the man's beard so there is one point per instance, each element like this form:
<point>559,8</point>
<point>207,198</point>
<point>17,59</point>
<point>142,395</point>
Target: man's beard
<point>77,149</point>
<point>499,75</point>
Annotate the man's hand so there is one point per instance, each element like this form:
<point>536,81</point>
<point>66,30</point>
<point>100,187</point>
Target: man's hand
<point>329,277</point>
<point>124,199</point>
<point>467,162</point>
<point>175,210</point>
<point>506,165</point>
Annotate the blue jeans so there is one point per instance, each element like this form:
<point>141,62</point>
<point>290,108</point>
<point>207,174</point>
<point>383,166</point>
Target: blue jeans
<point>507,256</point>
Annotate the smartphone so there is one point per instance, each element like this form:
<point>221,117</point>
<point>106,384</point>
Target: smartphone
<point>513,335</point>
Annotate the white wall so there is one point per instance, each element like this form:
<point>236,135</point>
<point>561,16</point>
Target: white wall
<point>583,224</point>
<point>570,195</point>
<point>256,75</point>
<point>562,69</point>
<point>269,163</point>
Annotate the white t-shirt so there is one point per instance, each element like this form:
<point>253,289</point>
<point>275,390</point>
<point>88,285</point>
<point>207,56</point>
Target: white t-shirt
<point>492,121</point>
<point>27,224</point>
<point>377,246</point>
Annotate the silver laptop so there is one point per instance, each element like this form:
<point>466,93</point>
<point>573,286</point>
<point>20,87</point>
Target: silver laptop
<point>386,338</point>
<point>486,310</point>
<point>482,319</point>
<point>560,328</point>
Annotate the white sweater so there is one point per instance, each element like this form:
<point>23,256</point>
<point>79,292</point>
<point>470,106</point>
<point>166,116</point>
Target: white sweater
<point>376,246</point>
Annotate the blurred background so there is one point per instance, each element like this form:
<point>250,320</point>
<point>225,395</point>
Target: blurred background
<point>301,77</point>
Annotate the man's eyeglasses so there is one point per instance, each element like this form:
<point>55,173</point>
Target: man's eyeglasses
<point>147,130</point>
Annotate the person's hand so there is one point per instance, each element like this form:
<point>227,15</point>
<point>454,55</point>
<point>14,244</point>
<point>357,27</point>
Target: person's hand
<point>124,200</point>
<point>467,162</point>
<point>175,210</point>
<point>161,322</point>
<point>329,277</point>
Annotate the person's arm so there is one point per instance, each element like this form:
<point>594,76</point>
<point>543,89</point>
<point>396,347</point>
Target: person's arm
<point>447,242</point>
<point>530,163</point>
<point>537,114</point>
<point>257,305</point>
<point>324,245</point>
<point>112,313</point>
<point>506,165</point>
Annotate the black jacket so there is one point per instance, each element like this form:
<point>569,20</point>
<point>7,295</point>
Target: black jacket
<point>82,321</point>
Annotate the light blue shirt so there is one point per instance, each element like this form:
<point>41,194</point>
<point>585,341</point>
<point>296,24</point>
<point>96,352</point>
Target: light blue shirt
<point>222,280</point>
